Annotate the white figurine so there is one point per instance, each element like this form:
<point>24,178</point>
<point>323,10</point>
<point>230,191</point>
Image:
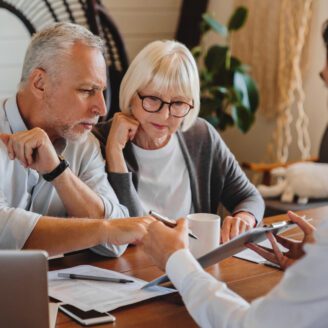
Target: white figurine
<point>305,180</point>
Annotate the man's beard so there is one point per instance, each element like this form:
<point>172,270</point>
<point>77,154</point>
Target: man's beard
<point>62,129</point>
<point>66,132</point>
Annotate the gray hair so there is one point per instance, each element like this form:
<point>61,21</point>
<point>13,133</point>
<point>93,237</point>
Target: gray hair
<point>165,65</point>
<point>48,47</point>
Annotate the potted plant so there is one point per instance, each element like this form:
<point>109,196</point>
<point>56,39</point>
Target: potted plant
<point>229,95</point>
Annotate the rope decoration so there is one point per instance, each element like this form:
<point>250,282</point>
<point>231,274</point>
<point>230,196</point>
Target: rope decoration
<point>273,44</point>
<point>290,81</point>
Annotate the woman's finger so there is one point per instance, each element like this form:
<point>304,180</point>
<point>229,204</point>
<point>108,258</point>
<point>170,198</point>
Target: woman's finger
<point>225,231</point>
<point>234,228</point>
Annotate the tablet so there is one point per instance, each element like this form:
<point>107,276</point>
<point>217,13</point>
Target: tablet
<point>230,248</point>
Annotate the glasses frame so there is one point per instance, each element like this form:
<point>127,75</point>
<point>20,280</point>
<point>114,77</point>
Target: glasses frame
<point>162,105</point>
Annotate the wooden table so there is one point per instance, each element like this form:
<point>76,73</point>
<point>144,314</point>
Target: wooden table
<point>245,278</point>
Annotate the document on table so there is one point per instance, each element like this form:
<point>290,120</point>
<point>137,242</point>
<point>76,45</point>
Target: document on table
<point>53,310</point>
<point>100,295</point>
<point>250,255</point>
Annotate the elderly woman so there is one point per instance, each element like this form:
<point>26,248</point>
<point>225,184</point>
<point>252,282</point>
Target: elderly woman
<point>160,156</point>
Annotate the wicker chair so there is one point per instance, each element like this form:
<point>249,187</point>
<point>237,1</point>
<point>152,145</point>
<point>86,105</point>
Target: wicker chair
<point>36,14</point>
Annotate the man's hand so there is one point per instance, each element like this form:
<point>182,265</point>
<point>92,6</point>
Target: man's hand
<point>32,148</point>
<point>295,248</point>
<point>161,241</point>
<point>123,129</point>
<point>127,231</point>
<point>235,225</point>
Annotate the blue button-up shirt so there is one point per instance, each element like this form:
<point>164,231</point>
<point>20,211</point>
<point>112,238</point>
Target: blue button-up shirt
<point>25,196</point>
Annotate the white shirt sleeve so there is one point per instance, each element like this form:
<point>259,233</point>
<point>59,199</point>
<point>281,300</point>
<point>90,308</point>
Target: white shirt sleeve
<point>16,225</point>
<point>300,299</point>
<point>93,174</point>
<point>210,302</point>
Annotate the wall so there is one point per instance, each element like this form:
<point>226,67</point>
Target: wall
<point>143,21</point>
<point>14,39</point>
<point>140,22</point>
<point>252,146</point>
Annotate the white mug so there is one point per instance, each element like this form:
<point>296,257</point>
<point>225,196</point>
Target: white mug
<point>206,227</point>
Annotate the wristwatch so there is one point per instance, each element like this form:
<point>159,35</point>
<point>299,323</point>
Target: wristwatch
<point>61,167</point>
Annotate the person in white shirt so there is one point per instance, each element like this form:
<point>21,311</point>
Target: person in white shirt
<point>59,100</point>
<point>299,300</point>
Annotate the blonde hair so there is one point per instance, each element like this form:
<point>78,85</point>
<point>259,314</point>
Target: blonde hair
<point>166,66</point>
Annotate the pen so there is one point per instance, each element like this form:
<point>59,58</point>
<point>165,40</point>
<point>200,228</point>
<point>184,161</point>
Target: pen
<point>86,277</point>
<point>170,223</point>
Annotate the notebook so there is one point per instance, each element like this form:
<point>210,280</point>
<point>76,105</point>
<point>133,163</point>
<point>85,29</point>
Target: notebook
<point>23,289</point>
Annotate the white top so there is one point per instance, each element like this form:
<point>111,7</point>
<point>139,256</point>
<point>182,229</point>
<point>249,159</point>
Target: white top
<point>25,196</point>
<point>299,300</point>
<point>164,184</point>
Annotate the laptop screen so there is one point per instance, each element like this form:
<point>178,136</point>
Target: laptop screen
<point>23,289</point>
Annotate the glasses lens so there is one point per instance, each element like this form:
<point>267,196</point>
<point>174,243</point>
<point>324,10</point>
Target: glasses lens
<point>151,104</point>
<point>179,108</point>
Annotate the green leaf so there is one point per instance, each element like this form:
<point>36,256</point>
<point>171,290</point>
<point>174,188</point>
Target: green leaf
<point>242,118</point>
<point>209,105</point>
<point>219,90</point>
<point>215,58</point>
<point>225,120</point>
<point>212,119</point>
<point>238,19</point>
<point>196,52</point>
<point>253,93</point>
<point>243,68</point>
<point>235,96</point>
<point>235,63</point>
<point>247,88</point>
<point>214,25</point>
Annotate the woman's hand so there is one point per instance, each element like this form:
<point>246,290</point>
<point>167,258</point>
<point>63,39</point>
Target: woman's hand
<point>233,226</point>
<point>123,129</point>
<point>295,248</point>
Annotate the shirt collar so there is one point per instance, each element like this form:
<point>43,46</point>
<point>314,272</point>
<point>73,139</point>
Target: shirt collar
<point>17,124</point>
<point>13,115</point>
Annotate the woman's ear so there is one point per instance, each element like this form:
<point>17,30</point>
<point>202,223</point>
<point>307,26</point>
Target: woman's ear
<point>37,82</point>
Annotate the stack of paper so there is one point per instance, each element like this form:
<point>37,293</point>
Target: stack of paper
<point>99,295</point>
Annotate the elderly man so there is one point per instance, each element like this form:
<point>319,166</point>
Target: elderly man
<point>50,164</point>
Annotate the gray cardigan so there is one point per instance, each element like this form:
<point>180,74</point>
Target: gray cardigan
<point>215,175</point>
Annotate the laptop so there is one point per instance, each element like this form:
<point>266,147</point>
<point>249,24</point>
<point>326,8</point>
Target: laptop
<point>23,289</point>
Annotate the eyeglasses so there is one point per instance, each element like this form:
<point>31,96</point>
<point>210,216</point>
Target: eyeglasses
<point>153,104</point>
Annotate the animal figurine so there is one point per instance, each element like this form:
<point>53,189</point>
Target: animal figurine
<point>304,180</point>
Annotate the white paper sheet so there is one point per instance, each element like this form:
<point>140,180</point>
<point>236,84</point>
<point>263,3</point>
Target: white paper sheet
<point>98,295</point>
<point>53,310</point>
<point>250,255</point>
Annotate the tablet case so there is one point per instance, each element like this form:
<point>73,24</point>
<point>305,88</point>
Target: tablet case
<point>230,248</point>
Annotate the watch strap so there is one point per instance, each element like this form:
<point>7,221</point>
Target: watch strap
<point>58,170</point>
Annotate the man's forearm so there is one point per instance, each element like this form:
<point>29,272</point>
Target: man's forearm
<point>79,200</point>
<point>58,236</point>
